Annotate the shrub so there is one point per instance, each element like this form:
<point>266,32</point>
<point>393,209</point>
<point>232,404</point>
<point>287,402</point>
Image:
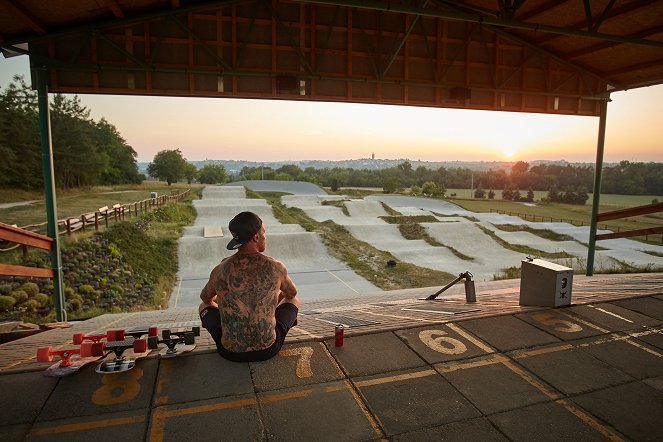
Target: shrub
<point>85,289</point>
<point>31,305</point>
<point>5,289</point>
<point>6,302</point>
<point>69,293</point>
<point>19,295</point>
<point>75,304</point>
<point>30,288</point>
<point>42,299</point>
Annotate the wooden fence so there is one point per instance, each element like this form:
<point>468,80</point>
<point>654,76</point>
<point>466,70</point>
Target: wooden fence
<point>101,217</point>
<point>24,238</point>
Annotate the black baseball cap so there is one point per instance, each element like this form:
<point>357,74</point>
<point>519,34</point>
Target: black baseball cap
<point>243,227</point>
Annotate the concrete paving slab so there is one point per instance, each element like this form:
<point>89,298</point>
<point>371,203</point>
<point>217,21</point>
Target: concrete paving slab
<point>652,337</point>
<point>366,355</point>
<point>229,418</point>
<point>648,306</point>
<point>195,377</point>
<point>127,425</point>
<point>656,383</point>
<point>492,387</point>
<point>570,370</point>
<point>613,317</point>
<point>544,422</point>
<point>633,409</point>
<point>23,396</point>
<point>290,414</point>
<point>443,343</point>
<point>479,429</point>
<point>630,356</point>
<point>14,433</point>
<point>414,399</point>
<point>507,332</point>
<point>296,365</point>
<point>90,393</point>
<point>558,324</point>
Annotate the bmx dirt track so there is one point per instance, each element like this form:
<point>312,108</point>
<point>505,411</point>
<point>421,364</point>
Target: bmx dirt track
<point>320,276</point>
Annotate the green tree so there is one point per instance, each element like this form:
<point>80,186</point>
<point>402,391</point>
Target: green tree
<point>390,185</point>
<point>167,165</point>
<point>212,174</point>
<point>190,172</point>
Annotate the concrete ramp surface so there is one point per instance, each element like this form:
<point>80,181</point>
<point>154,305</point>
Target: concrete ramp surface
<point>316,274</point>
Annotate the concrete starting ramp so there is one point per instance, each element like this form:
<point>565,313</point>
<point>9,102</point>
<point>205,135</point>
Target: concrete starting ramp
<point>316,274</point>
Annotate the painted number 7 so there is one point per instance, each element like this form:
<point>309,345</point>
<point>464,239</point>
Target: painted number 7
<point>564,325</point>
<point>436,340</point>
<point>303,369</point>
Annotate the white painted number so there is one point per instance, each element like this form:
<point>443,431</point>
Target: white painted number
<point>436,340</point>
<point>303,369</point>
<point>564,325</point>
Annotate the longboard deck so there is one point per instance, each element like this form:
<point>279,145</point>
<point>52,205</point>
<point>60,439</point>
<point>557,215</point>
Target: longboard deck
<point>56,371</point>
<point>179,349</point>
<point>126,362</point>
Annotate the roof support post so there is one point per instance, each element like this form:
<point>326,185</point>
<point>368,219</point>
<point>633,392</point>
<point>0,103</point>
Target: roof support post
<point>596,193</point>
<point>39,76</point>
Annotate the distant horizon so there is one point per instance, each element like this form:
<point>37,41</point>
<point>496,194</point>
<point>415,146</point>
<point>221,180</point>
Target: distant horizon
<point>265,130</point>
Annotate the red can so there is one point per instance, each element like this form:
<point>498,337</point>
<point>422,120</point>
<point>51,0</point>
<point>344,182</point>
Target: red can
<point>338,335</point>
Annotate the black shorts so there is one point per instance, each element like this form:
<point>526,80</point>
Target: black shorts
<point>286,316</point>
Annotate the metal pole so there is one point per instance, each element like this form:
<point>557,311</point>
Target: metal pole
<point>40,74</point>
<point>596,195</point>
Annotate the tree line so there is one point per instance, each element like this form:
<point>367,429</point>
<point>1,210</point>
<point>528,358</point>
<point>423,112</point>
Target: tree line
<point>85,152</point>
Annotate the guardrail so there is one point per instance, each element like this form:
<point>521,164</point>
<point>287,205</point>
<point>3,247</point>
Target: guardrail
<point>103,216</point>
<point>25,238</point>
<point>607,216</point>
<point>627,213</point>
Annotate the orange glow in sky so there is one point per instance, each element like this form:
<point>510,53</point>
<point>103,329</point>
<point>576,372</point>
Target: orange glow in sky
<point>270,130</point>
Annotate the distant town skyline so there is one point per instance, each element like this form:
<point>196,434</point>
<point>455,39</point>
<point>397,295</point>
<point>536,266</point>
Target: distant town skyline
<point>274,130</point>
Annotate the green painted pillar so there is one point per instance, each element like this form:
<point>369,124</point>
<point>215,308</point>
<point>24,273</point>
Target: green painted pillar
<point>596,193</point>
<point>39,77</point>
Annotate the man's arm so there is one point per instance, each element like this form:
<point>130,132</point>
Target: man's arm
<point>288,288</point>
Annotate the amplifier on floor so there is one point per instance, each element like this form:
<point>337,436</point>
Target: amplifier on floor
<point>545,284</point>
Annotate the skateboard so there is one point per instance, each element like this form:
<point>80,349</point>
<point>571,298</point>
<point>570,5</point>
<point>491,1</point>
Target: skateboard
<point>110,335</point>
<point>71,360</point>
<point>178,340</point>
<point>132,347</point>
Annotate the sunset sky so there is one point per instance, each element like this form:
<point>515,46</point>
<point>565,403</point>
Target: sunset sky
<point>266,130</point>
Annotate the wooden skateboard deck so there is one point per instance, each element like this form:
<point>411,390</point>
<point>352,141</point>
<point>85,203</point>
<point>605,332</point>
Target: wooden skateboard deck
<point>77,363</point>
<point>179,349</point>
<point>119,364</point>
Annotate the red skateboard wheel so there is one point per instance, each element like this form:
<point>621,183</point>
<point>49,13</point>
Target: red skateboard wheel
<point>115,335</point>
<point>153,331</point>
<point>78,338</point>
<point>140,345</point>
<point>44,354</point>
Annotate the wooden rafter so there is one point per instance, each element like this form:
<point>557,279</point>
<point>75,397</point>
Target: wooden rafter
<point>115,8</point>
<point>22,14</point>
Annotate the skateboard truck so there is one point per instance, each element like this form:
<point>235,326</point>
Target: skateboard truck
<point>88,349</point>
<point>171,339</point>
<point>470,294</point>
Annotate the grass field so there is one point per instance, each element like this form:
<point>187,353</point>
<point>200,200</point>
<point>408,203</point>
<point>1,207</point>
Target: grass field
<point>72,203</point>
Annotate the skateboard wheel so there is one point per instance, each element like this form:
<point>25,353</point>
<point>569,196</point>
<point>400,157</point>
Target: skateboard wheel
<point>196,330</point>
<point>78,338</point>
<point>165,334</point>
<point>98,348</point>
<point>189,338</point>
<point>115,335</point>
<point>152,342</point>
<point>140,345</point>
<point>153,331</point>
<point>86,349</point>
<point>44,354</point>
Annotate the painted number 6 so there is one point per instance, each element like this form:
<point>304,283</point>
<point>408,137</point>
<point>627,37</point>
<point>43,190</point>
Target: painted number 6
<point>436,340</point>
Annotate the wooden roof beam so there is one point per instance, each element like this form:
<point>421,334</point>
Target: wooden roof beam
<point>34,24</point>
<point>607,45</point>
<point>115,8</point>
